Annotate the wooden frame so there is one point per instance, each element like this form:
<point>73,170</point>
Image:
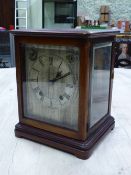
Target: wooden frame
<point>81,142</point>
<point>83,89</point>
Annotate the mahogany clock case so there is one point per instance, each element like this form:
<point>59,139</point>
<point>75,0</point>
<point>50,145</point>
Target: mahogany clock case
<point>82,139</point>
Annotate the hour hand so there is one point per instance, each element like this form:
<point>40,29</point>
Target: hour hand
<point>58,74</point>
<point>59,77</point>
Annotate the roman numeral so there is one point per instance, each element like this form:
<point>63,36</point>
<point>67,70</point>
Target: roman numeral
<point>35,69</point>
<point>61,97</point>
<point>66,96</point>
<point>36,89</point>
<point>41,61</point>
<point>69,85</point>
<point>33,79</point>
<point>51,60</point>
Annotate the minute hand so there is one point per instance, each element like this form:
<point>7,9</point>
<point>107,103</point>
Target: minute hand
<point>58,78</point>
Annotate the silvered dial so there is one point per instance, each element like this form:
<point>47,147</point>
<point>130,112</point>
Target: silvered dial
<point>52,80</point>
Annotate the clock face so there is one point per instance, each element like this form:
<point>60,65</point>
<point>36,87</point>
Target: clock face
<point>52,81</point>
<point>52,84</point>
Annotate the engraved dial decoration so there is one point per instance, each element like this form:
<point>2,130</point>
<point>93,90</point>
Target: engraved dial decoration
<point>52,84</point>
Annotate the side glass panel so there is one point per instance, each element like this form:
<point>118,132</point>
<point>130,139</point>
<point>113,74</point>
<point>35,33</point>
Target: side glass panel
<point>100,79</point>
<point>51,84</point>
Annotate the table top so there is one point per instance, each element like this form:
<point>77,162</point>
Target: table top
<point>23,157</point>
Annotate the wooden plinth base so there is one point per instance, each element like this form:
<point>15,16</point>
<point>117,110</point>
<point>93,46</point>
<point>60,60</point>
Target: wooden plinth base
<point>81,149</point>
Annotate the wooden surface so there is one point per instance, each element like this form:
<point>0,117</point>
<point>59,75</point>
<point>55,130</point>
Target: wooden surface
<point>20,156</point>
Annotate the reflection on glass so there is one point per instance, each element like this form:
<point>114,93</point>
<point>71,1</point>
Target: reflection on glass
<point>100,82</point>
<point>51,85</point>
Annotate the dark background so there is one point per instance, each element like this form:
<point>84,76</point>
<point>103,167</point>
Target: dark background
<point>7,13</point>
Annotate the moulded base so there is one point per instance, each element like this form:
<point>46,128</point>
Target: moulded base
<point>81,149</point>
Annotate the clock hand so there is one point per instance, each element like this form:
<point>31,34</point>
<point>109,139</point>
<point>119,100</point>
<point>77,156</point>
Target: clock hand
<point>58,78</point>
<point>58,74</point>
<point>51,60</point>
<point>60,65</point>
<point>50,67</point>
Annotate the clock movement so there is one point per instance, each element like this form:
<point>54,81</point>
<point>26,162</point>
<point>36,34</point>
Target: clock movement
<point>64,85</point>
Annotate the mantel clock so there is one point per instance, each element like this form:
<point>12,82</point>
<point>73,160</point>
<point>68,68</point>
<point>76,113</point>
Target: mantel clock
<point>64,84</point>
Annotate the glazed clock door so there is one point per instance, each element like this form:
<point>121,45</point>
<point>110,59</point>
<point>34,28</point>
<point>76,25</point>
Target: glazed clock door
<point>51,85</point>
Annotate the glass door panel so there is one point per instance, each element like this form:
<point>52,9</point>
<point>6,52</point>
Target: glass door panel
<point>100,81</point>
<point>51,85</point>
